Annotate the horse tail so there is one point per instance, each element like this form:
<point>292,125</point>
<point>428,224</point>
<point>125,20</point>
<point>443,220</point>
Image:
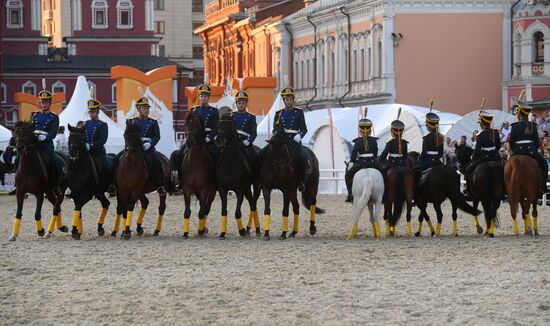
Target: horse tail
<point>399,195</point>
<point>458,198</point>
<point>307,202</point>
<point>309,195</point>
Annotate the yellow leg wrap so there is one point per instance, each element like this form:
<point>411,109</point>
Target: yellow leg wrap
<point>393,231</point>
<point>388,228</point>
<point>185,225</point>
<point>296,223</point>
<point>516,229</point>
<point>527,222</point>
<point>377,229</point>
<point>455,228</point>
<point>431,226</point>
<point>16,227</point>
<point>38,225</point>
<point>76,216</point>
<point>117,222</point>
<point>374,232</point>
<point>129,219</point>
<point>437,229</point>
<point>312,213</point>
<point>285,223</point>
<point>224,224</point>
<point>535,224</point>
<point>58,220</point>
<point>256,219</point>
<point>141,216</point>
<point>419,228</point>
<point>476,221</point>
<point>80,228</point>
<point>250,218</point>
<point>267,222</point>
<point>51,226</point>
<point>159,223</point>
<point>239,223</point>
<point>101,218</point>
<point>492,228</point>
<point>409,229</point>
<point>202,224</point>
<point>353,232</point>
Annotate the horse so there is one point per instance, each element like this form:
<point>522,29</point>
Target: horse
<point>234,172</point>
<point>31,177</point>
<point>523,181</point>
<point>487,187</point>
<point>368,190</point>
<point>133,182</point>
<point>85,181</point>
<point>399,188</point>
<point>278,172</point>
<point>197,174</point>
<point>441,182</point>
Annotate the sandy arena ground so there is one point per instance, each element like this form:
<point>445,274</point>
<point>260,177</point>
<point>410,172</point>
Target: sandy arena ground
<point>324,279</point>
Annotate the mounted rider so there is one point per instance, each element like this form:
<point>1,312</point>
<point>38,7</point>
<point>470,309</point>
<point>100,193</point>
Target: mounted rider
<point>292,122</point>
<point>432,146</point>
<point>524,138</point>
<point>210,118</point>
<point>96,133</point>
<point>44,124</point>
<point>486,149</point>
<point>395,152</point>
<point>364,153</point>
<point>245,123</point>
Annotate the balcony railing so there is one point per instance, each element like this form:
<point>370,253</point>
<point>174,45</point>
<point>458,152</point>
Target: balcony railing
<point>214,6</point>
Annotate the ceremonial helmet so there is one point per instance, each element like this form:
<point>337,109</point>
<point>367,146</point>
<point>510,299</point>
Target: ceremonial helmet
<point>365,125</point>
<point>93,104</point>
<point>432,119</point>
<point>45,95</point>
<point>287,91</point>
<point>241,96</point>
<point>143,102</point>
<point>397,126</point>
<point>205,89</point>
<point>522,108</point>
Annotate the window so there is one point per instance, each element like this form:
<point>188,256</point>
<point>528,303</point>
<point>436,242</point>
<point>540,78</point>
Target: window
<point>3,96</point>
<point>363,70</point>
<point>29,87</point>
<point>58,87</point>
<point>380,57</point>
<point>93,89</point>
<point>113,93</point>
<point>197,6</point>
<point>159,4</point>
<point>197,52</point>
<point>162,51</point>
<point>125,10</point>
<point>14,13</point>
<point>538,41</point>
<point>159,27</point>
<point>100,14</point>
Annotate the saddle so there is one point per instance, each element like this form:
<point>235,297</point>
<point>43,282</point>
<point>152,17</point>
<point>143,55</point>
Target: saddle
<point>423,177</point>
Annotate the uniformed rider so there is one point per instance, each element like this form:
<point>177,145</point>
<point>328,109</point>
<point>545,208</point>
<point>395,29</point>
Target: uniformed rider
<point>245,123</point>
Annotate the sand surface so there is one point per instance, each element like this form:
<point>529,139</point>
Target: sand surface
<point>324,279</point>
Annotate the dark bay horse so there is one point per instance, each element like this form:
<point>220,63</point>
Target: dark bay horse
<point>487,187</point>
<point>441,182</point>
<point>234,172</point>
<point>31,177</point>
<point>85,181</point>
<point>133,182</point>
<point>197,174</point>
<point>523,179</point>
<point>277,172</point>
<point>399,189</point>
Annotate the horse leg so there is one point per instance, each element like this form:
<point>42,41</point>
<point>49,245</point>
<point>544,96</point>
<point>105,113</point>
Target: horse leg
<point>144,204</point>
<point>38,214</point>
<point>267,212</point>
<point>56,202</point>
<point>358,207</point>
<point>76,231</point>
<point>238,213</point>
<point>439,214</point>
<point>296,221</point>
<point>476,219</point>
<point>527,230</point>
<point>430,225</point>
<point>105,203</point>
<point>422,207</point>
<point>162,209</point>
<point>187,212</point>
<point>490,214</point>
<point>513,210</point>
<point>252,204</point>
<point>129,212</point>
<point>286,204</point>
<point>535,217</point>
<point>388,217</point>
<point>257,190</point>
<point>454,216</point>
<point>373,222</point>
<point>223,221</point>
<point>118,217</point>
<point>202,214</point>
<point>376,217</point>
<point>17,220</point>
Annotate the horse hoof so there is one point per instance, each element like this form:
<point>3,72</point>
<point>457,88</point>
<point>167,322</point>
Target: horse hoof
<point>266,236</point>
<point>156,234</point>
<point>417,234</point>
<point>491,235</point>
<point>258,232</point>
<point>433,234</point>
<point>139,230</point>
<point>75,236</point>
<point>247,230</point>
<point>47,235</point>
<point>537,233</point>
<point>243,233</point>
<point>479,230</point>
<point>127,235</point>
<point>528,232</point>
<point>312,230</point>
<point>100,231</point>
<point>283,235</point>
<point>113,234</point>
<point>12,238</point>
<point>63,229</point>
<point>186,236</point>
<point>222,236</point>
<point>292,234</point>
<point>41,232</point>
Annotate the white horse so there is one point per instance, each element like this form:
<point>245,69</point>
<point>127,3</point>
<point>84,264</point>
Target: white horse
<point>368,189</point>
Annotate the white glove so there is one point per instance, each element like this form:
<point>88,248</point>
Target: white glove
<point>207,140</point>
<point>87,146</point>
<point>146,145</point>
<point>41,137</point>
<point>246,142</point>
<point>297,138</point>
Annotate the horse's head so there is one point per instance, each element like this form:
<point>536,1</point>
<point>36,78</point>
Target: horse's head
<point>77,141</point>
<point>132,136</point>
<point>464,155</point>
<point>195,128</point>
<point>227,131</point>
<point>280,143</point>
<point>23,136</point>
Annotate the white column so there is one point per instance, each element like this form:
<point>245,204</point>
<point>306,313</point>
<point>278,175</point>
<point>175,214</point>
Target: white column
<point>505,103</point>
<point>35,15</point>
<point>547,56</point>
<point>388,73</point>
<point>285,51</point>
<point>506,46</point>
<point>526,57</point>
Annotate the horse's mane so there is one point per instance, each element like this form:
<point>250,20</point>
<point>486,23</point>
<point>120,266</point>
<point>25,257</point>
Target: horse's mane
<point>132,128</point>
<point>20,124</point>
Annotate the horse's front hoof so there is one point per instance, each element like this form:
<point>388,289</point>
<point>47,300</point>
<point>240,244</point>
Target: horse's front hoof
<point>433,234</point>
<point>41,232</point>
<point>258,232</point>
<point>417,234</point>
<point>75,236</point>
<point>100,231</point>
<point>47,235</point>
<point>222,236</point>
<point>127,235</point>
<point>157,233</point>
<point>491,235</point>
<point>139,230</point>
<point>537,233</point>
<point>113,234</point>
<point>12,238</point>
<point>243,232</point>
<point>63,229</point>
<point>528,232</point>
<point>267,236</point>
<point>292,234</point>
<point>312,229</point>
<point>283,235</point>
<point>247,230</point>
<point>185,235</point>
<point>479,230</point>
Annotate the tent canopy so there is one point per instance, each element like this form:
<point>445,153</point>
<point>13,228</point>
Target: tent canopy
<point>468,123</point>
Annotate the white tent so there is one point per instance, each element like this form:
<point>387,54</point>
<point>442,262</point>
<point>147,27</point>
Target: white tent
<point>5,135</point>
<point>76,111</point>
<point>468,123</point>
<point>331,150</point>
<point>266,125</point>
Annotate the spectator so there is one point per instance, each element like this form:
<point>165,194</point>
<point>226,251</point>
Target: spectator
<point>504,132</point>
<point>474,138</point>
<point>446,147</point>
<point>60,141</point>
<point>452,154</point>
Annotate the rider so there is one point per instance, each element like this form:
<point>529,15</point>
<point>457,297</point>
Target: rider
<point>524,138</point>
<point>486,149</point>
<point>363,155</point>
<point>45,124</point>
<point>210,118</point>
<point>245,122</point>
<point>292,122</point>
<point>97,133</point>
<point>432,147</point>
<point>396,148</point>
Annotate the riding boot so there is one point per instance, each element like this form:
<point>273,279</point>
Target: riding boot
<point>349,181</point>
<point>467,192</point>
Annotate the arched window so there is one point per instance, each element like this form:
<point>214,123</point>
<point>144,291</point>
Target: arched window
<point>29,87</point>
<point>100,17</point>
<point>380,57</point>
<point>59,87</point>
<point>93,89</point>
<point>14,14</point>
<point>538,43</point>
<point>125,14</point>
<point>113,93</point>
